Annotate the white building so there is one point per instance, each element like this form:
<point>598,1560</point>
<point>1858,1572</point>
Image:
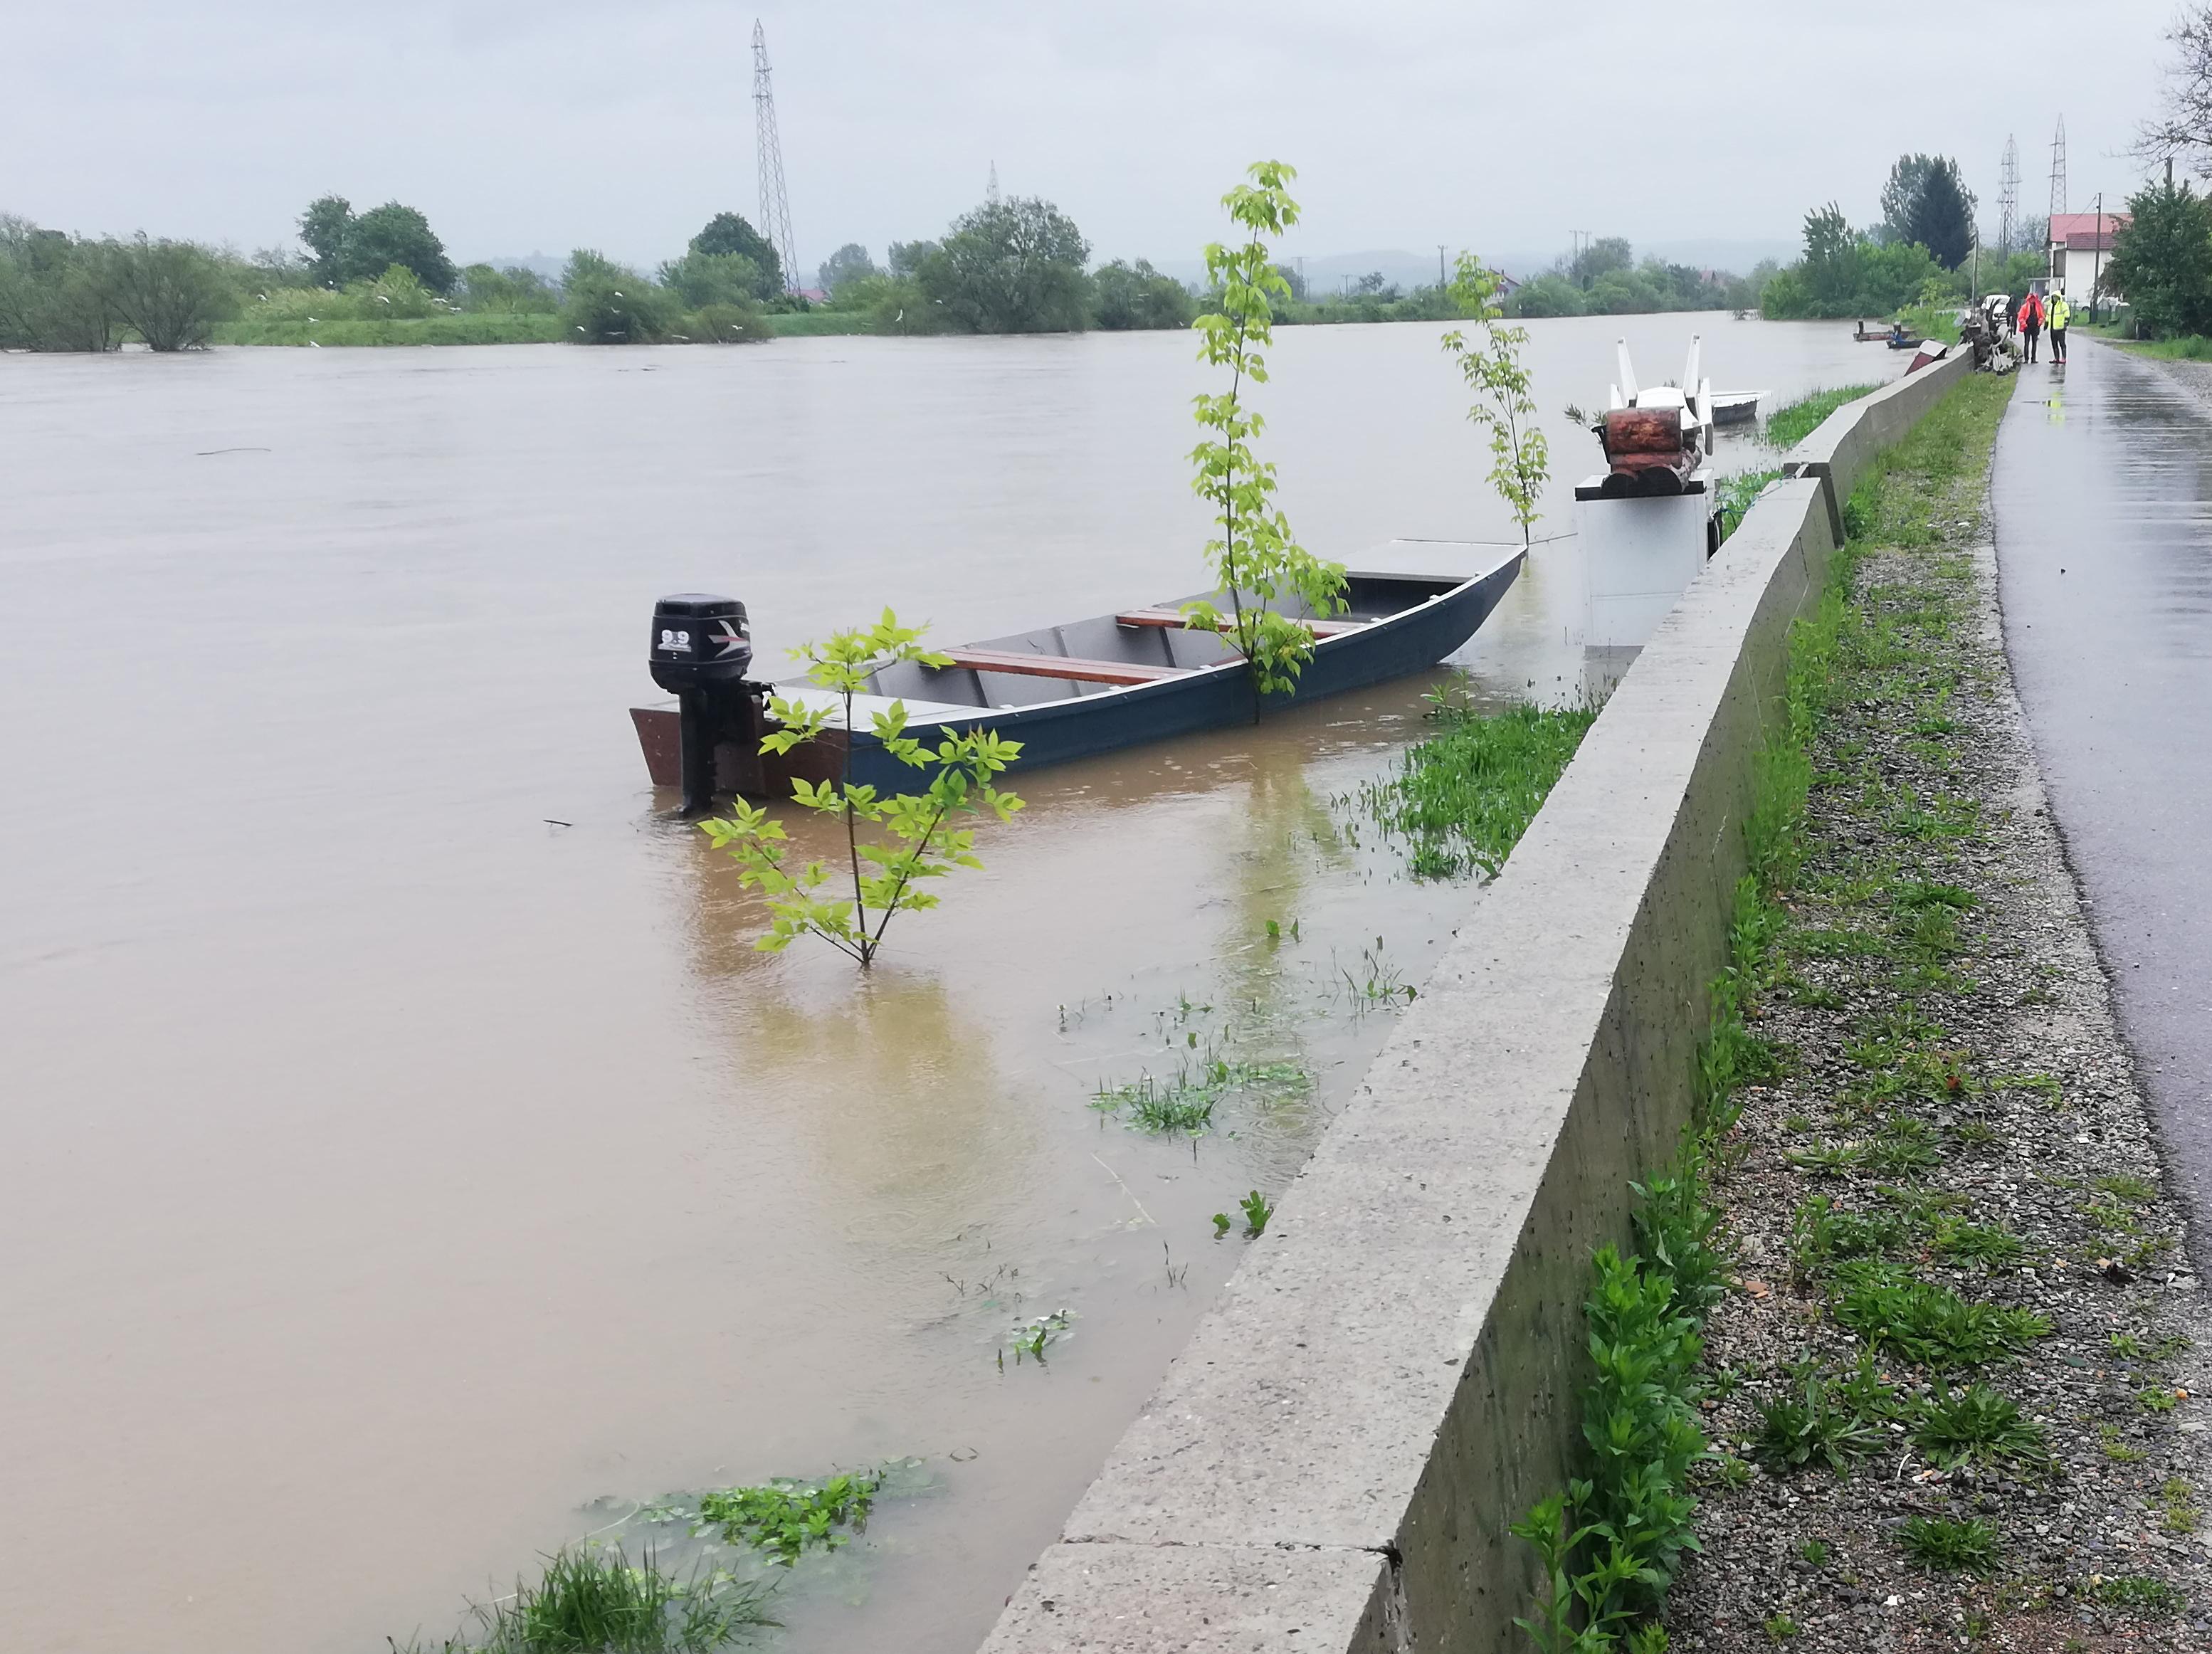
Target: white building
<point>2080,253</point>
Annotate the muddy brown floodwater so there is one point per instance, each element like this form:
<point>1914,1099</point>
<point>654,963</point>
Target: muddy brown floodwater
<point>406,1165</point>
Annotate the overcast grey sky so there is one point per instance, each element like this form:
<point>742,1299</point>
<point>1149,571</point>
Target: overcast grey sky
<point>542,125</point>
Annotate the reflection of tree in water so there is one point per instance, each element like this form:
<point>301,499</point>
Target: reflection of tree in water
<point>876,1076</point>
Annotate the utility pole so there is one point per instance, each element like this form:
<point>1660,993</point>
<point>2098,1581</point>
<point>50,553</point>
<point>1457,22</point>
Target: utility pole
<point>991,190</point>
<point>1440,263</point>
<point>774,207</point>
<point>2097,261</point>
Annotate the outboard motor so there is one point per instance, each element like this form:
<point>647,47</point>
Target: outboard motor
<point>703,648</point>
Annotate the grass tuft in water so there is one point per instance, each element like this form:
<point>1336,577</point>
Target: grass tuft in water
<point>1792,423</point>
<point>591,1600</point>
<point>1462,798</point>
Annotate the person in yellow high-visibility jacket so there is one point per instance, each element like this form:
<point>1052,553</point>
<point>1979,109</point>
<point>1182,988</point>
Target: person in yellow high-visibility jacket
<point>2060,312</point>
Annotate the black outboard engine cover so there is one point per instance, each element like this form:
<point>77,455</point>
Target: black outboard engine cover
<point>700,642</point>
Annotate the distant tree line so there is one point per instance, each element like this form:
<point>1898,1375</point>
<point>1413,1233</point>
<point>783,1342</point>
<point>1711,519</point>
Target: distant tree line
<point>1917,254</point>
<point>1604,279</point>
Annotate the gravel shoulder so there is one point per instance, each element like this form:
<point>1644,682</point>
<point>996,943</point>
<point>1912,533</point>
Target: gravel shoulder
<point>1958,1390</point>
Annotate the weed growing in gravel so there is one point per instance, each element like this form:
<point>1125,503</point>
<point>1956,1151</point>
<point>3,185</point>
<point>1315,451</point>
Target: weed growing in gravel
<point>1928,1325</point>
<point>1979,1425</point>
<point>1946,1546</point>
<point>2158,1399</point>
<point>1809,1424</point>
<point>1779,1628</point>
<point>2116,1448</point>
<point>1816,1552</point>
<point>2134,1591</point>
<point>2178,1510</point>
<point>1957,1239</point>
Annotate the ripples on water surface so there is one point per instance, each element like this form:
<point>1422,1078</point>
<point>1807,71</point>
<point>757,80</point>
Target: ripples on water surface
<point>386,1174</point>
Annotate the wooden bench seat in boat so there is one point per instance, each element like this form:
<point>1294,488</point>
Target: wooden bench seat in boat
<point>1062,666</point>
<point>1173,619</point>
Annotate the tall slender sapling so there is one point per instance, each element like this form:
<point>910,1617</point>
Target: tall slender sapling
<point>1490,365</point>
<point>888,875</point>
<point>1254,556</point>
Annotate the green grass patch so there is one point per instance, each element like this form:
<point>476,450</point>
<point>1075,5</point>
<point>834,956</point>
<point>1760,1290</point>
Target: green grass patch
<point>820,324</point>
<point>1792,423</point>
<point>2191,347</point>
<point>1945,1547</point>
<point>1977,1425</point>
<point>2134,1592</point>
<point>1461,799</point>
<point>467,328</point>
<point>1928,1325</point>
<point>591,1599</point>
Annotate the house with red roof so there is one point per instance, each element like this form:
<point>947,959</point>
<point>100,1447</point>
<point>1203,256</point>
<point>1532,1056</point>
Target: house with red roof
<point>2081,253</point>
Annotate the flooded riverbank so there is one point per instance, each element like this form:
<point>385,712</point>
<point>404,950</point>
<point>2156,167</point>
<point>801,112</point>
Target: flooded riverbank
<point>403,1148</point>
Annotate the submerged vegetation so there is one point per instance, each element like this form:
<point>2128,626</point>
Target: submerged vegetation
<point>1792,423</point>
<point>1463,797</point>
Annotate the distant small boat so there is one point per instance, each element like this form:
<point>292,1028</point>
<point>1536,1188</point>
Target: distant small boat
<point>1118,680</point>
<point>1902,342</point>
<point>1736,407</point>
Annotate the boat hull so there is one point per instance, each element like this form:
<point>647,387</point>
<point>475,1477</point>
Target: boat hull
<point>1193,683</point>
<point>1086,726</point>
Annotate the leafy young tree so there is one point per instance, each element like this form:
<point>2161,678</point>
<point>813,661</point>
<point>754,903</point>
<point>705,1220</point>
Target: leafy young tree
<point>850,263</point>
<point>922,839</point>
<point>1941,214</point>
<point>1490,365</point>
<point>1831,265</point>
<point>323,229</point>
<point>170,293</point>
<point>1254,555</point>
<point>1899,194</point>
<point>1010,266</point>
<point>905,259</point>
<point>395,235</point>
<point>1134,296</point>
<point>1550,295</point>
<point>512,291</point>
<point>2163,261</point>
<point>727,233</point>
<point>705,278</point>
<point>606,303</point>
<point>1600,257</point>
<point>52,296</point>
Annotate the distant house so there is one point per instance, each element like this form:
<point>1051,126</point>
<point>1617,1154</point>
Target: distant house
<point>1507,287</point>
<point>2081,253</point>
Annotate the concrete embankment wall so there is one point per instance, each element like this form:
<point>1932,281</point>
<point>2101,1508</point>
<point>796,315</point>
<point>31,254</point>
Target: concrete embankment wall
<point>1389,1381</point>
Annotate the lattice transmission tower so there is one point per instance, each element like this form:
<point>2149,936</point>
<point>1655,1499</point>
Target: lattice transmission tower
<point>2008,198</point>
<point>2058,169</point>
<point>775,205</point>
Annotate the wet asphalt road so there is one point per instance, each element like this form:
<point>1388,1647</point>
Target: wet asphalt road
<point>2103,493</point>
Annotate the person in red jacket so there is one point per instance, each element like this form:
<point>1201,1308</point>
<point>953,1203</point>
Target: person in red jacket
<point>2031,320</point>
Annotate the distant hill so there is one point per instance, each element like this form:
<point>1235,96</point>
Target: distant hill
<point>1328,273</point>
<point>542,264</point>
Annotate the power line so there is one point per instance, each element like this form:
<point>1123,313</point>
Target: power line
<point>775,205</point>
